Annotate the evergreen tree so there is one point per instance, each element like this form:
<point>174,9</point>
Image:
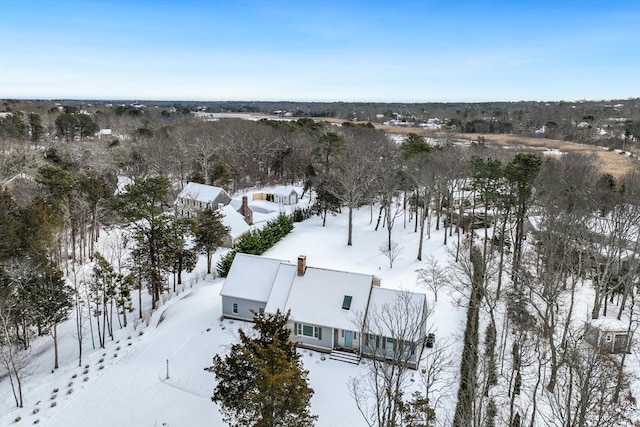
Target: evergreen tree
<point>210,233</point>
<point>35,127</point>
<point>175,250</point>
<point>10,223</point>
<point>521,173</point>
<point>142,204</point>
<point>261,381</point>
<point>415,144</point>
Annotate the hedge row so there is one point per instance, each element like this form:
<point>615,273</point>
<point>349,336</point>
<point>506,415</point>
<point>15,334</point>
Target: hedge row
<point>256,242</point>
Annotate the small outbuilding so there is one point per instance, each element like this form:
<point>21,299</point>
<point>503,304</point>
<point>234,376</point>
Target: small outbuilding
<point>609,335</point>
<point>283,195</point>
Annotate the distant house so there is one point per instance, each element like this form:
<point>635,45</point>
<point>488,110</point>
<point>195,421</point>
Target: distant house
<point>284,195</point>
<point>196,197</point>
<point>104,132</point>
<point>609,335</point>
<point>330,310</point>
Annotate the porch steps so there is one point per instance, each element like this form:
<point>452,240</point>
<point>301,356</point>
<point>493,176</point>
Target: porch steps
<point>345,356</point>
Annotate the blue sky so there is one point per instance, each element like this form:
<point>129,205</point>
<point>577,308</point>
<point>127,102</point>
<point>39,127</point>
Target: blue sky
<point>311,50</point>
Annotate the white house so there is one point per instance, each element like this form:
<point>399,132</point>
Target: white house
<point>329,309</point>
<point>196,197</point>
<point>104,132</point>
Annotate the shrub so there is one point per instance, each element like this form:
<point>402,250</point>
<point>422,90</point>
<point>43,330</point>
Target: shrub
<point>256,242</point>
<point>53,404</point>
<point>18,418</point>
<point>300,215</point>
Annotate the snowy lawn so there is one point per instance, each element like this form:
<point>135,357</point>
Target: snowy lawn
<point>126,383</point>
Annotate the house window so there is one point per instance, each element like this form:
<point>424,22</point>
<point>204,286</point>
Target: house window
<point>372,341</point>
<point>308,331</point>
<point>388,343</point>
<point>608,338</point>
<point>346,302</point>
<point>234,307</point>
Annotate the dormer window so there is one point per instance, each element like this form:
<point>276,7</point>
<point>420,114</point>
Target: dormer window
<point>346,302</point>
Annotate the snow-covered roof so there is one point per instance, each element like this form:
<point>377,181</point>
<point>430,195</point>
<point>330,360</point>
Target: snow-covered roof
<point>609,324</point>
<point>283,191</point>
<point>251,277</point>
<point>613,225</point>
<point>235,221</point>
<point>200,192</point>
<point>383,300</point>
<point>237,204</point>
<point>317,297</point>
<point>281,288</point>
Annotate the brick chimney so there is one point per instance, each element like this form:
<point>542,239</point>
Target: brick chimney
<point>302,265</point>
<point>245,211</point>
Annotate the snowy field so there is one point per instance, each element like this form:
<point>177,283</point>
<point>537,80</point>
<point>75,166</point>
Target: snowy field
<point>126,383</point>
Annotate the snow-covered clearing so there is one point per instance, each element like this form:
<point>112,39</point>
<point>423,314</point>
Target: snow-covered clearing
<point>126,384</point>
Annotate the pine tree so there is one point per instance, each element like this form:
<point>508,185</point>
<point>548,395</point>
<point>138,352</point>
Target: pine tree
<point>210,233</point>
<point>261,381</point>
<point>142,205</point>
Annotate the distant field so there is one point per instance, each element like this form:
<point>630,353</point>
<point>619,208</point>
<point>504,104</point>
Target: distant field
<point>610,161</point>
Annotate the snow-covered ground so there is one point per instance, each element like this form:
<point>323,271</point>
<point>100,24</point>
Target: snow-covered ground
<point>125,384</point>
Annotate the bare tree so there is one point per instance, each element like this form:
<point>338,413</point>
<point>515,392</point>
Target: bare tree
<point>78,282</point>
<point>393,335</point>
<point>16,361</point>
<point>14,357</point>
<point>433,276</point>
<point>435,374</point>
<point>203,146</point>
<point>355,171</point>
<point>391,250</point>
<point>586,399</point>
